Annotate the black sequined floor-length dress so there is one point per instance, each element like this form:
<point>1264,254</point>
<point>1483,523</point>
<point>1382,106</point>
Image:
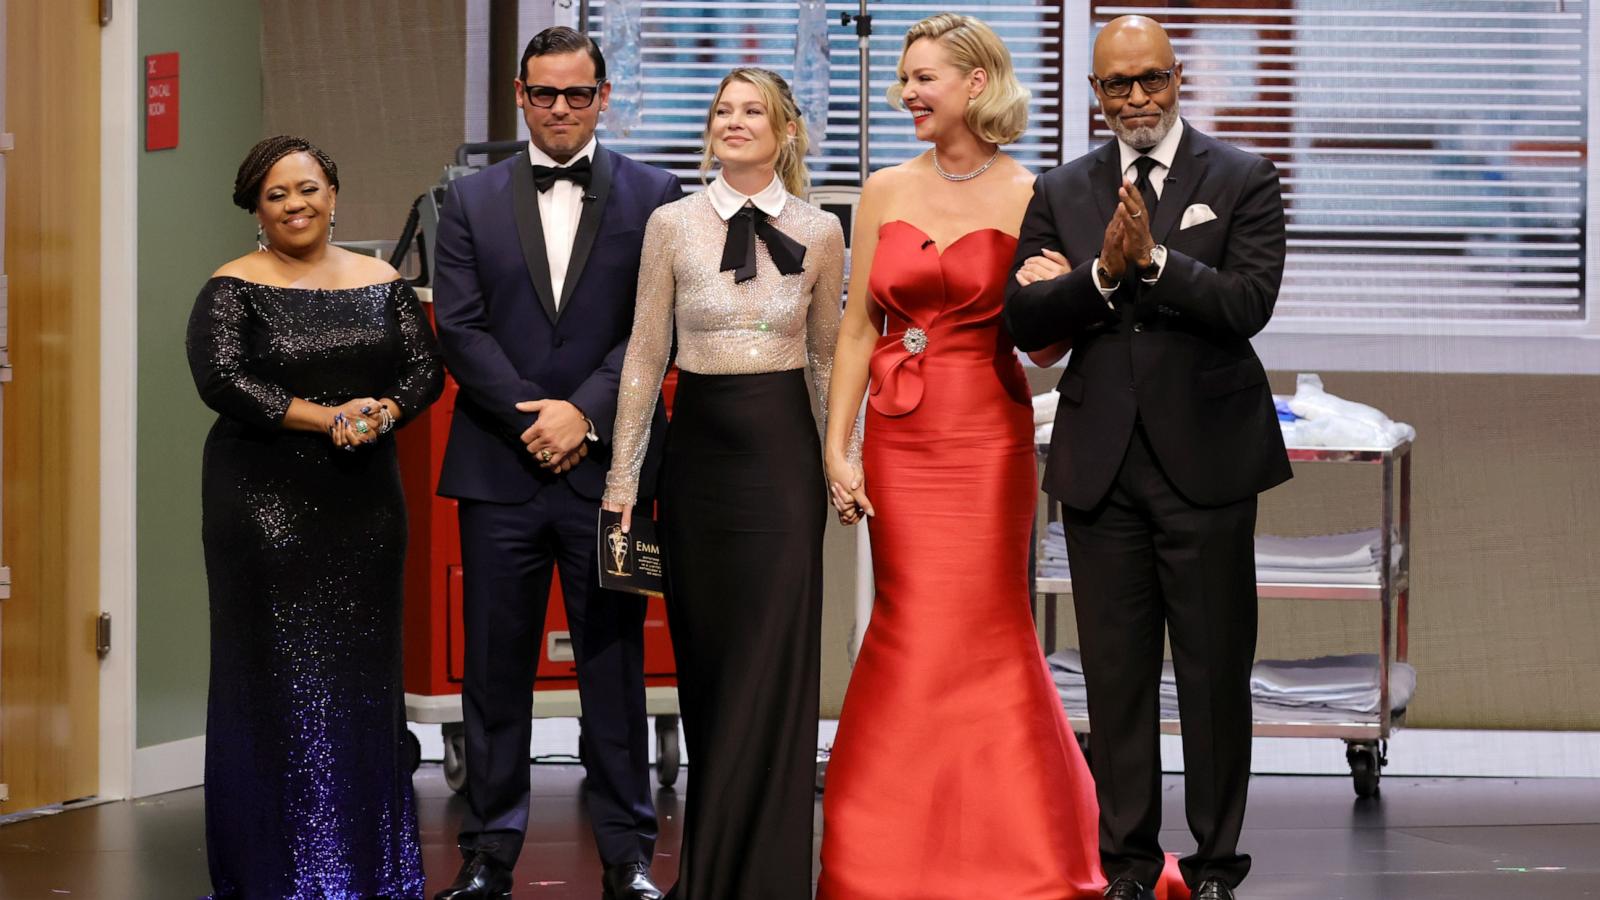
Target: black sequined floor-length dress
<point>307,792</point>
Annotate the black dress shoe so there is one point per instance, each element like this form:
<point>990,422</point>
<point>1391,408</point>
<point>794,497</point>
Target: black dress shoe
<point>629,881</point>
<point>1212,889</point>
<point>1128,889</point>
<point>482,877</point>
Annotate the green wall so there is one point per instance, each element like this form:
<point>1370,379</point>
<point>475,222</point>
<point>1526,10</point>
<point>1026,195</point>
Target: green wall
<point>187,228</point>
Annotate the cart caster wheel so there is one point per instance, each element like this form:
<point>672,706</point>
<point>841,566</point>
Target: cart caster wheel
<point>455,756</point>
<point>669,753</point>
<point>1366,768</point>
<point>411,752</point>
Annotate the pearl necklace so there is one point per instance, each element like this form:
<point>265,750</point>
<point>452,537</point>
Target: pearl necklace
<point>970,175</point>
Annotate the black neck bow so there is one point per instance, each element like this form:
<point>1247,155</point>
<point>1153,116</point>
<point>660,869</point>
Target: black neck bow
<point>739,253</point>
<point>578,173</point>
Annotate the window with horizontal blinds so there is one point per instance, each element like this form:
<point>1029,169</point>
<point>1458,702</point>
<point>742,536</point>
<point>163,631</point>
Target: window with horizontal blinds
<point>1433,152</point>
<point>686,47</point>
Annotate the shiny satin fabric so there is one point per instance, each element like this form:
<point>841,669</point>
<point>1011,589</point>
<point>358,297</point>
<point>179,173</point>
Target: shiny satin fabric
<point>955,773</point>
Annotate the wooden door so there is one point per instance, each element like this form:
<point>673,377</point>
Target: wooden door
<point>49,471</point>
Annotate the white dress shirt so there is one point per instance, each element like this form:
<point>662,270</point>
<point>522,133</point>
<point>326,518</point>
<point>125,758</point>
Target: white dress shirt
<point>727,200</point>
<point>559,210</point>
<point>1163,153</point>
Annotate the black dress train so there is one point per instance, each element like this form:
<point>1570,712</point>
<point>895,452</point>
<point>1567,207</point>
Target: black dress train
<point>308,794</point>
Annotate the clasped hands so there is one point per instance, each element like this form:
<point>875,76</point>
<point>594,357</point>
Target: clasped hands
<point>556,438</point>
<point>355,423</point>
<point>1126,244</point>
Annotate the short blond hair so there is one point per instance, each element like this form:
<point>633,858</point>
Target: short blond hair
<point>999,114</point>
<point>781,110</point>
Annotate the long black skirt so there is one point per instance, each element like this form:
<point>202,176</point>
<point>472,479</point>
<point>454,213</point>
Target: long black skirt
<point>743,510</point>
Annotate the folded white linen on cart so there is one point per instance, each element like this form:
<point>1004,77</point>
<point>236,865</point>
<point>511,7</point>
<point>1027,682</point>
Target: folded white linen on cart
<point>1347,683</point>
<point>1330,421</point>
<point>1324,689</point>
<point>1349,558</point>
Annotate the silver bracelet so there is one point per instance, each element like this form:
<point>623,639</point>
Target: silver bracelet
<point>385,419</point>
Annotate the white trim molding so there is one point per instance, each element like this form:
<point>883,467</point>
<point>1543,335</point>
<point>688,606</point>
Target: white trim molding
<point>121,101</point>
<point>1429,752</point>
<point>173,766</point>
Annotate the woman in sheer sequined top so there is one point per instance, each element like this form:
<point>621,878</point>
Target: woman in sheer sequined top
<point>748,276</point>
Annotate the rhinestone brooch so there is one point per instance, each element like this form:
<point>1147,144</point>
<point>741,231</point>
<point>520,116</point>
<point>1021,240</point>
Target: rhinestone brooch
<point>915,340</point>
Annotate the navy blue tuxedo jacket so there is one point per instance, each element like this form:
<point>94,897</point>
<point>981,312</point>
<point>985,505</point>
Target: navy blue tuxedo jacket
<point>505,336</point>
<point>1175,354</point>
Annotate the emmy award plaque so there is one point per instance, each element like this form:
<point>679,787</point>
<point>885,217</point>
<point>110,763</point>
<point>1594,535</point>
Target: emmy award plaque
<point>629,560</point>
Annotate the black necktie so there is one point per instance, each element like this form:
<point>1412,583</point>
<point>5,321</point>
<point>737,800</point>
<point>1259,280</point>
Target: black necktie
<point>739,252</point>
<point>1146,190</point>
<point>577,173</point>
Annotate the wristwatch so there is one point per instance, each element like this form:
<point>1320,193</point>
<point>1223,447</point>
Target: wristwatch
<point>1158,255</point>
<point>1105,279</point>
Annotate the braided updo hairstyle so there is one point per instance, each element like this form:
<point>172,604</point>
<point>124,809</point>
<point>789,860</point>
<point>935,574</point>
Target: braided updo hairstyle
<point>263,156</point>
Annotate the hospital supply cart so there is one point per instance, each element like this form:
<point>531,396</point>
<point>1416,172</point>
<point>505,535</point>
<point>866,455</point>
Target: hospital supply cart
<point>1388,593</point>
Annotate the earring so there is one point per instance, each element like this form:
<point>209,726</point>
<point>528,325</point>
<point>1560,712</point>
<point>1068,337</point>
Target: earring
<point>261,240</point>
<point>331,223</point>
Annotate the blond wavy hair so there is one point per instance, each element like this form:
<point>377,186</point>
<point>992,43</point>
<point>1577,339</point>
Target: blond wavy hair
<point>999,114</point>
<point>781,110</point>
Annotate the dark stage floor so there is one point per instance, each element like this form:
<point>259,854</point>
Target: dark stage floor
<point>1426,839</point>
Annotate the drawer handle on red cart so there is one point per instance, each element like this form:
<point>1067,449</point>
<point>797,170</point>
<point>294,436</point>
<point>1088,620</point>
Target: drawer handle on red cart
<point>559,646</point>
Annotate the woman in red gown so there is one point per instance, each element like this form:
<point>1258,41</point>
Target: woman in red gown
<point>954,773</point>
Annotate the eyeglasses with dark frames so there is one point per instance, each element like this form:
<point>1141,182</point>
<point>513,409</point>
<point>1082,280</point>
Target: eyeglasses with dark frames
<point>1153,83</point>
<point>544,96</point>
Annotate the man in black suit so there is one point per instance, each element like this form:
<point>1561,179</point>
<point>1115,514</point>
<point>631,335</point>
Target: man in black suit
<point>1165,435</point>
<point>536,272</point>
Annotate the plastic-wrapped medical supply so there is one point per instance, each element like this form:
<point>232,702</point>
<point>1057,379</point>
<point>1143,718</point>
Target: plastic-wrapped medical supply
<point>811,69</point>
<point>621,23</point>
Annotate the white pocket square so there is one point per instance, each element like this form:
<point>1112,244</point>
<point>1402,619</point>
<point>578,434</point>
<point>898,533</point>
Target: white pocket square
<point>1198,214</point>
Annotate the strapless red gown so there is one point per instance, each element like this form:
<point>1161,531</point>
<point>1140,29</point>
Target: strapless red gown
<point>954,773</point>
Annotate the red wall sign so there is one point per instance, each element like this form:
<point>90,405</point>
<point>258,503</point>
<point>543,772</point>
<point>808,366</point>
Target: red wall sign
<point>161,101</point>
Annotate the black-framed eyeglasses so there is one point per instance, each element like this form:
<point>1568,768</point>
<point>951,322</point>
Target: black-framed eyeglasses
<point>544,96</point>
<point>1153,83</point>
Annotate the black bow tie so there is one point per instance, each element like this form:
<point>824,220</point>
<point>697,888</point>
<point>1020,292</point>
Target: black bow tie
<point>739,253</point>
<point>578,173</point>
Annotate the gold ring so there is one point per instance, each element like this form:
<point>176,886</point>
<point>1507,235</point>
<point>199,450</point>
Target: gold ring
<point>544,455</point>
<point>1135,215</point>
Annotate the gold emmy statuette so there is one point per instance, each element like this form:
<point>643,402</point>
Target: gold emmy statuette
<point>617,542</point>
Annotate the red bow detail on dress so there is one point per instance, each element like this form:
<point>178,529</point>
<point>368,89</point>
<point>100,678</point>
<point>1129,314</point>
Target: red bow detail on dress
<point>896,370</point>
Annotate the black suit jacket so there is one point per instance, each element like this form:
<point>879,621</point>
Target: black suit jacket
<point>506,339</point>
<point>1175,355</point>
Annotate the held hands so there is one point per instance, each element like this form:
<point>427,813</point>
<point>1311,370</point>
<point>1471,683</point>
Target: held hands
<point>845,483</point>
<point>556,438</point>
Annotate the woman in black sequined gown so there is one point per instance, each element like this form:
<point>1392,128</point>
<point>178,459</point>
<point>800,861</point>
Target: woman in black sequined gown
<point>309,354</point>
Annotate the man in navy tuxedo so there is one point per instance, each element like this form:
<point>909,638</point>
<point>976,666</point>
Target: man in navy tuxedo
<point>535,276</point>
<point>1165,435</point>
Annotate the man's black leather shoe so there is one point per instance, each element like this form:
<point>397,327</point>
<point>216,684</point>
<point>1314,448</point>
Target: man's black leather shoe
<point>629,881</point>
<point>1128,889</point>
<point>482,877</point>
<point>1212,889</point>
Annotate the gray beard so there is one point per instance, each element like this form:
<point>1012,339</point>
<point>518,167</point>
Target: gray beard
<point>1148,136</point>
